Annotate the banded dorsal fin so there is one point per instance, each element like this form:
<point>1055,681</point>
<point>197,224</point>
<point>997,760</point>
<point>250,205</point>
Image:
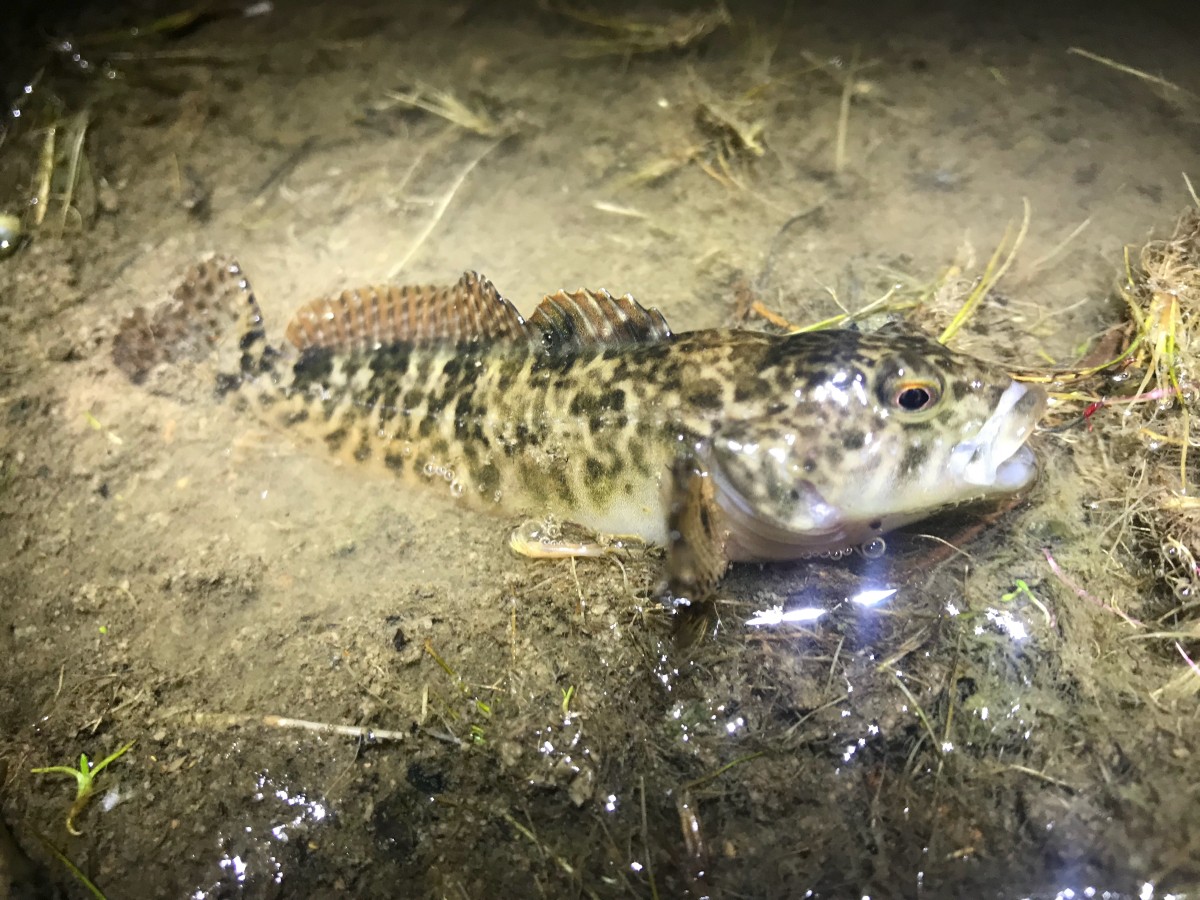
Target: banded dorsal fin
<point>467,312</point>
<point>569,321</point>
<point>364,319</point>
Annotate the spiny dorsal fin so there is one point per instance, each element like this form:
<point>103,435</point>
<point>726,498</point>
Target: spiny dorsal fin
<point>364,319</point>
<point>588,318</point>
<point>213,301</point>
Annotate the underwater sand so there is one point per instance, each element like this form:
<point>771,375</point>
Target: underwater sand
<point>172,572</point>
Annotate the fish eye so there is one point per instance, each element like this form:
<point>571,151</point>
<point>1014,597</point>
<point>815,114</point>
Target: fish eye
<point>916,396</point>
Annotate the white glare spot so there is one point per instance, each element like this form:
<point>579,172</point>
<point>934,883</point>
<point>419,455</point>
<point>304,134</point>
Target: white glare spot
<point>236,865</point>
<point>111,799</point>
<point>1008,623</point>
<point>636,866</point>
<point>610,803</point>
<point>1147,892</point>
<point>734,724</point>
<point>872,597</point>
<point>776,616</point>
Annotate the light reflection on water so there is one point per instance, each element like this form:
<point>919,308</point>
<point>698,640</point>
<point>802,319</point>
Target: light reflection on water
<point>244,858</point>
<point>774,616</point>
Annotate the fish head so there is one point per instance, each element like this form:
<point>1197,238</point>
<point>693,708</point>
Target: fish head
<point>867,432</point>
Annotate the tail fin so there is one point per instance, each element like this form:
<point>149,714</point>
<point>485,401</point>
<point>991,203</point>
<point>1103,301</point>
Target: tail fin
<point>213,308</point>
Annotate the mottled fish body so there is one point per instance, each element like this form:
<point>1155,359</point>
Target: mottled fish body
<point>722,445</point>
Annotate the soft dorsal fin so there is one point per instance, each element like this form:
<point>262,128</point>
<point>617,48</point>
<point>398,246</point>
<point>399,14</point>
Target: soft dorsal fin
<point>364,319</point>
<point>585,318</point>
<point>213,302</point>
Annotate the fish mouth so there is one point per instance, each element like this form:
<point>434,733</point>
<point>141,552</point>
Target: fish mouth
<point>997,458</point>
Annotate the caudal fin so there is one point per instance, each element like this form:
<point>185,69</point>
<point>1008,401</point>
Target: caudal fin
<point>212,309</point>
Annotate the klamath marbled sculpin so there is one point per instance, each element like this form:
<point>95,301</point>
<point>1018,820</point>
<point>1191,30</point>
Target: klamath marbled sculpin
<point>721,445</point>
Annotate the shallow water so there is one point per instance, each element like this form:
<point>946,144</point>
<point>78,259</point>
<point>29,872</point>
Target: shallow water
<point>175,573</point>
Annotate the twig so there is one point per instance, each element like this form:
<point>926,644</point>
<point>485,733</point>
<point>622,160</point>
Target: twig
<point>441,209</point>
<point>1062,576</point>
<point>1191,662</point>
<point>937,746</point>
<point>839,154</point>
<point>716,773</point>
<point>559,861</point>
<point>358,731</point>
<point>991,276</point>
<point>1060,246</point>
<point>1191,190</point>
<point>646,841</point>
<point>355,731</point>
<point>1043,776</point>
<point>617,209</point>
<point>1128,70</point>
<point>284,168</point>
<point>71,867</point>
<point>73,170</point>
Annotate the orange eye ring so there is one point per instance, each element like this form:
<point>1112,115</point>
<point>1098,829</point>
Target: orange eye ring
<point>916,396</point>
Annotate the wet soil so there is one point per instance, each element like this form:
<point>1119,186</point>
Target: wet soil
<point>176,574</point>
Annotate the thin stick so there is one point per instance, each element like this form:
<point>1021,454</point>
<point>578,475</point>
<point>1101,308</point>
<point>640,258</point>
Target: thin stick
<point>441,209</point>
<point>45,174</point>
<point>1128,70</point>
<point>1060,246</point>
<point>839,155</point>
<point>559,861</point>
<point>71,867</point>
<point>920,712</point>
<point>1043,776</point>
<point>1191,190</point>
<point>355,731</point>
<point>1191,663</point>
<point>73,171</point>
<point>1062,576</point>
<point>991,276</point>
<point>646,841</point>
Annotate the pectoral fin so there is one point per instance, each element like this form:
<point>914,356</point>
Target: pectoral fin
<point>696,558</point>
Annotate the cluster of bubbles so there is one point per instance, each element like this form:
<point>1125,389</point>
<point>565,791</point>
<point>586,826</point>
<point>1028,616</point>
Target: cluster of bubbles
<point>446,473</point>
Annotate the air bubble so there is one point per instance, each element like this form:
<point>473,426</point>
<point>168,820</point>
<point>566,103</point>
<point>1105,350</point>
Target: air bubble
<point>874,548</point>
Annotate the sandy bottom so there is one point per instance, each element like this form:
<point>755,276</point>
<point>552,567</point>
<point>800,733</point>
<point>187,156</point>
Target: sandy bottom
<point>175,574</point>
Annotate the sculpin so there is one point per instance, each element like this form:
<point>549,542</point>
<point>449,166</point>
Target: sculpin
<point>721,445</point>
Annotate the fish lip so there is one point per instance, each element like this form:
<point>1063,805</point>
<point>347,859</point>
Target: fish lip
<point>996,456</point>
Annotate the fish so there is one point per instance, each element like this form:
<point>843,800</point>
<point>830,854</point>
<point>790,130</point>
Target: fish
<point>720,445</point>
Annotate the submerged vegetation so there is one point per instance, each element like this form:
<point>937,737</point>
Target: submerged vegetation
<point>85,780</point>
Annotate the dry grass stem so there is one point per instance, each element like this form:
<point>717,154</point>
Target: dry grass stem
<point>991,274</point>
<point>442,206</point>
<point>1157,80</point>
<point>446,105</point>
<point>628,36</point>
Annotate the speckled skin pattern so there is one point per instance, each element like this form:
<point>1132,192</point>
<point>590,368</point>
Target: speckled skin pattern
<point>805,436</point>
